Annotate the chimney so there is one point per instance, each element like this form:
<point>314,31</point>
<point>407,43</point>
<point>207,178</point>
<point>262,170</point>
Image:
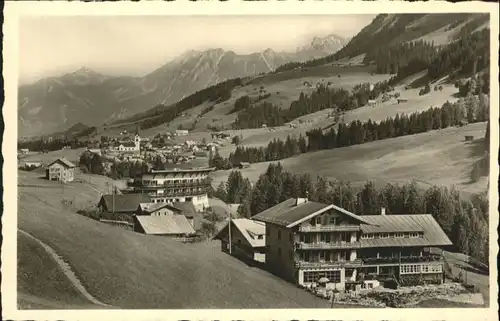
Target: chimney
<point>300,201</point>
<point>382,211</point>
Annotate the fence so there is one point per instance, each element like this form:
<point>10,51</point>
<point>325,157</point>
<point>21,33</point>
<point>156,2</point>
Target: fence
<point>122,224</point>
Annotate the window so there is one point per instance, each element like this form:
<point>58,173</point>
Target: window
<point>410,269</point>
<point>399,235</point>
<point>260,237</point>
<point>414,235</point>
<point>279,235</point>
<point>383,235</point>
<point>333,220</point>
<point>314,276</point>
<point>367,236</point>
<point>318,220</point>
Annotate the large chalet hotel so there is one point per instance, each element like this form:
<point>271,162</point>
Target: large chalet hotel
<point>175,185</point>
<point>307,241</point>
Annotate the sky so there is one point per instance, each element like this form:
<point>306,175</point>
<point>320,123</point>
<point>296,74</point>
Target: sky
<point>135,45</point>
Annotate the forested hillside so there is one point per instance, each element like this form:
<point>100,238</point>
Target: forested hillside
<point>464,221</point>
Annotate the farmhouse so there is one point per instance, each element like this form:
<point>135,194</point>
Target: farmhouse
<point>247,239</point>
<point>122,204</point>
<point>60,170</point>
<point>165,209</point>
<point>307,241</point>
<point>243,165</point>
<point>401,100</point>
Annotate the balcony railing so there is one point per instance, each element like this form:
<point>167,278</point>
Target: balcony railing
<point>330,228</point>
<point>327,265</point>
<point>331,245</point>
<point>404,259</point>
<point>202,183</point>
<point>168,193</point>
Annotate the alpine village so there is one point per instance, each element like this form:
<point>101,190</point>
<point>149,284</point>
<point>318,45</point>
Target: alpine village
<point>358,178</point>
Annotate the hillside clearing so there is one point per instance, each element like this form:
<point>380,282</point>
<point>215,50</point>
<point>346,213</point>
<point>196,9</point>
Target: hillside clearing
<point>45,287</point>
<point>392,160</point>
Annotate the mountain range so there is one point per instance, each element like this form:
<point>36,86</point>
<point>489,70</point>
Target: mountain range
<point>85,96</point>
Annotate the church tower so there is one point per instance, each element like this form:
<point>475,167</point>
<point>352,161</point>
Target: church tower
<point>137,139</point>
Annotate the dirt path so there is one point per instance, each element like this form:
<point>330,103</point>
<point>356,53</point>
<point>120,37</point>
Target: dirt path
<point>67,271</point>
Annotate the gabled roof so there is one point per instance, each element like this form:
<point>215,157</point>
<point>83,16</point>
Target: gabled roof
<point>152,207</point>
<point>63,161</point>
<point>187,208</point>
<point>250,229</point>
<point>164,225</point>
<point>124,202</point>
<point>433,235</point>
<point>289,214</point>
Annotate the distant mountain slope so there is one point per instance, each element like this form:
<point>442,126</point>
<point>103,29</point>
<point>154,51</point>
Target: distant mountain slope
<point>56,103</point>
<point>390,29</point>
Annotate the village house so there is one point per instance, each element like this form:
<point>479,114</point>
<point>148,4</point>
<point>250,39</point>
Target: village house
<point>122,203</point>
<point>307,241</point>
<point>61,170</point>
<point>180,183</point>
<point>248,239</point>
<point>95,151</point>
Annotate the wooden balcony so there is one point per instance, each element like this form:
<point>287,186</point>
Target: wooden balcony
<point>330,228</point>
<point>404,259</point>
<point>328,265</point>
<point>327,246</point>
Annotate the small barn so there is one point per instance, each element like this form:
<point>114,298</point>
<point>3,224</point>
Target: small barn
<point>248,239</point>
<point>469,138</point>
<point>122,204</point>
<point>402,100</point>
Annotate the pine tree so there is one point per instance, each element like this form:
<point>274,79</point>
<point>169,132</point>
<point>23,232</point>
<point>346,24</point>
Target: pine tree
<point>221,192</point>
